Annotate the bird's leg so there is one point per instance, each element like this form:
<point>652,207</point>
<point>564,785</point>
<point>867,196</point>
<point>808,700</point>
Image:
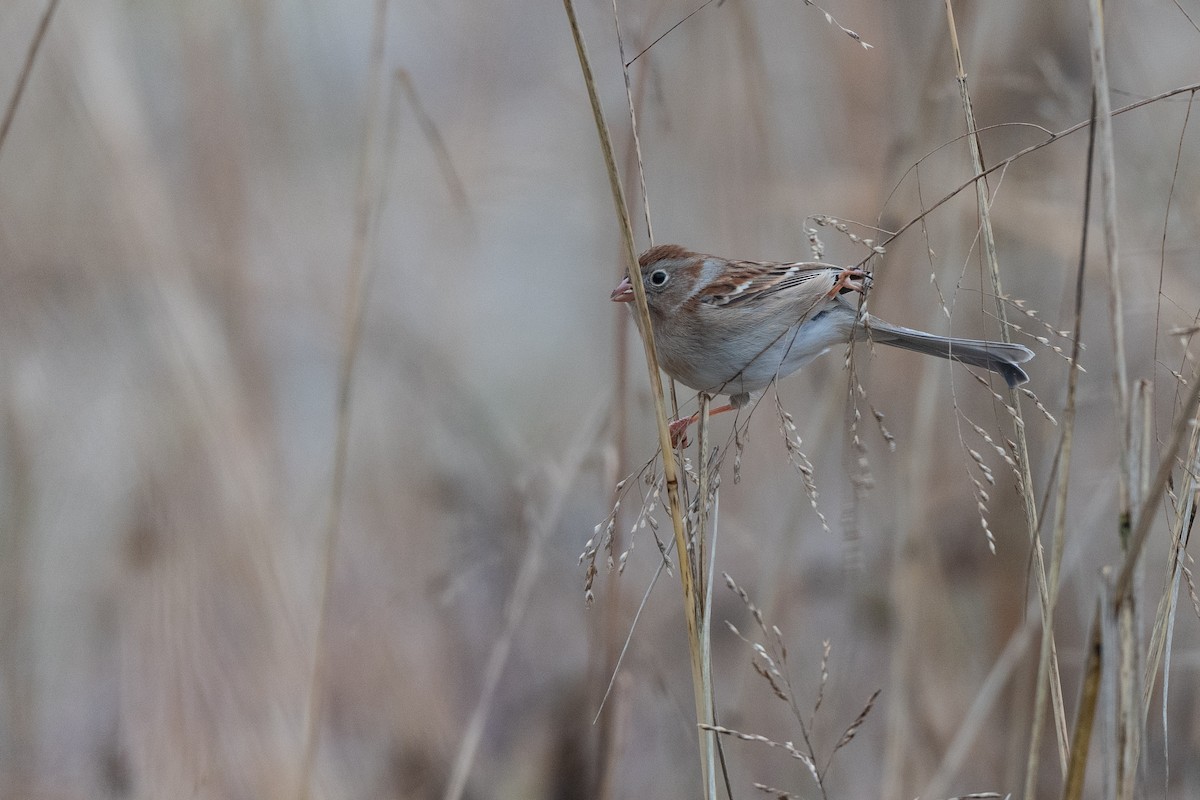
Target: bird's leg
<point>679,427</point>
<point>846,282</point>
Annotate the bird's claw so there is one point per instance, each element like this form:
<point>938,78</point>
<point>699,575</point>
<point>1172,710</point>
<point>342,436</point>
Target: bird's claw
<point>850,280</point>
<point>678,428</point>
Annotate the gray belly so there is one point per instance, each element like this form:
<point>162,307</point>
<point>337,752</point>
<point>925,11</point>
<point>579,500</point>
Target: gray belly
<point>736,363</point>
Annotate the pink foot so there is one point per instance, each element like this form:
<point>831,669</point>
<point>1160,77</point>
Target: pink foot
<point>679,427</point>
<point>679,437</point>
<point>846,282</point>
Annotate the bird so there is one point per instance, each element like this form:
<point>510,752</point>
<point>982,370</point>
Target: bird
<point>731,327</point>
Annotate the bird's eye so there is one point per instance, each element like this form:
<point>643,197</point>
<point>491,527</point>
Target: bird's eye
<point>658,277</point>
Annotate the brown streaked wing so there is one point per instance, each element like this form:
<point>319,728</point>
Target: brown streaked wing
<point>754,280</point>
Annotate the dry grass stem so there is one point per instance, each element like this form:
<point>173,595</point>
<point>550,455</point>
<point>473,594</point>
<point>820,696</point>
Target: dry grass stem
<point>693,602</point>
<point>1108,193</point>
<point>295,466</point>
<point>429,128</point>
<point>778,794</point>
<point>1085,719</point>
<point>770,662</point>
<point>1162,634</point>
<point>1067,439</point>
<point>562,478</point>
<point>667,33</point>
<point>1101,680</point>
<point>1158,487</point>
<point>358,279</point>
<point>616,668</point>
<point>35,46</point>
<point>633,127</point>
<point>829,18</point>
<point>1048,672</point>
<point>1020,154</point>
<point>797,458</point>
<point>642,314</point>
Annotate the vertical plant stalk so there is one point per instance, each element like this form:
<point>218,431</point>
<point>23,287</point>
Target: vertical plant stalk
<point>1162,477</point>
<point>633,126</point>
<point>1126,468</point>
<point>356,295</point>
<point>1066,445</point>
<point>1111,604</point>
<point>1131,718</point>
<point>705,478</point>
<point>1123,593</point>
<point>703,599</point>
<point>613,649</point>
<point>693,604</point>
<point>1160,637</point>
<point>1048,673</point>
<point>1085,720</point>
<point>606,756</point>
<point>1108,194</point>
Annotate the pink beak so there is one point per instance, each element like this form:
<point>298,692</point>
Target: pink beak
<point>623,293</point>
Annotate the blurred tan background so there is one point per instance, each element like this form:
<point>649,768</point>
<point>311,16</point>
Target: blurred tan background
<point>177,206</point>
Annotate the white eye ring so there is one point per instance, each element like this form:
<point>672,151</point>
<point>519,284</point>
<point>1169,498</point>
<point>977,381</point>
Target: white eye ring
<point>659,277</point>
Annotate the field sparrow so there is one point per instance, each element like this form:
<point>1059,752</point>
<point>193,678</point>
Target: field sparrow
<point>732,327</point>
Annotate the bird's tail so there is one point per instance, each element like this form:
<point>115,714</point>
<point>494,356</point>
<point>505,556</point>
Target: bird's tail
<point>999,357</point>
